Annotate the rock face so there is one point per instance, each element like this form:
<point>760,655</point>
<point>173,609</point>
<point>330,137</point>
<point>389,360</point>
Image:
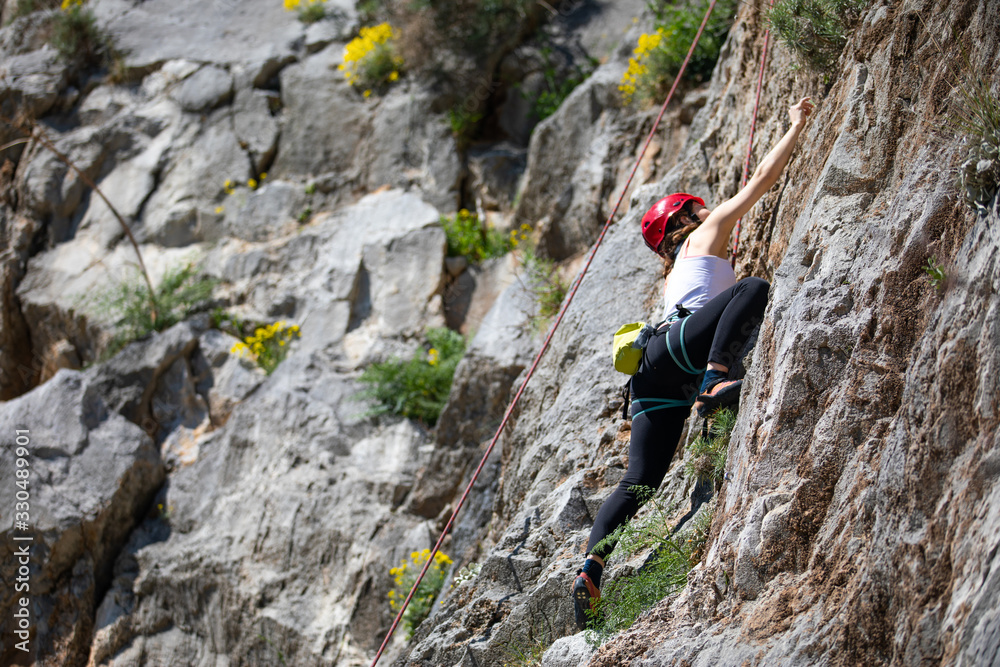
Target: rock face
<point>855,526</point>
<point>91,476</point>
<point>187,509</point>
<point>281,474</point>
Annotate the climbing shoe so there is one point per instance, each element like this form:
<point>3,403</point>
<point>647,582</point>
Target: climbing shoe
<point>585,597</point>
<point>721,395</point>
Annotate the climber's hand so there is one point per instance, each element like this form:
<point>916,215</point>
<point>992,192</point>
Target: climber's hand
<point>801,111</point>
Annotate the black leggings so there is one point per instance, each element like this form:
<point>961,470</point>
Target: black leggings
<point>716,332</point>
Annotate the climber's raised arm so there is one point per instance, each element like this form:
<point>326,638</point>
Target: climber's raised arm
<point>712,236</point>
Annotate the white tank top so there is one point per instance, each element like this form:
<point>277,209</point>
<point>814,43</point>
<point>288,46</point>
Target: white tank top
<point>694,281</point>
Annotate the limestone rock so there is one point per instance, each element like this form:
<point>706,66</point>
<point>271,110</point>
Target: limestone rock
<point>286,451</point>
<point>18,370</point>
<point>323,118</point>
<point>570,651</point>
<point>92,476</point>
<point>256,129</point>
<point>204,90</point>
<point>427,159</point>
<point>496,173</point>
<point>153,33</point>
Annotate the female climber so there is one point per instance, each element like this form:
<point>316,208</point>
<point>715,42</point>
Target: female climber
<point>708,319</point>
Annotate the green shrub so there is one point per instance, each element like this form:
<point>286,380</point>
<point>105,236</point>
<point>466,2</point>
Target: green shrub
<point>25,7</point>
<point>468,237</point>
<point>815,30</point>
<point>423,599</point>
<point>371,11</point>
<point>659,55</point>
<point>418,388</point>
<point>664,572</point>
<point>181,292</point>
<point>706,457</point>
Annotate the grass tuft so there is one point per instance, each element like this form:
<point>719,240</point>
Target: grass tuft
<point>558,84</point>
<point>977,121</point>
<point>545,283</point>
<point>706,457</point>
<point>527,652</point>
<point>77,38</point>
<point>181,293</point>
<point>671,557</point>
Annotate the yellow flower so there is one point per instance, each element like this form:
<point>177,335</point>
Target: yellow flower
<point>263,176</point>
<point>358,49</point>
<point>252,183</point>
<point>432,357</point>
<point>219,209</point>
<point>291,4</point>
<point>368,93</point>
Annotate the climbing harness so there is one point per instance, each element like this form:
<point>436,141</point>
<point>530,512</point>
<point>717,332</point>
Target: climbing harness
<point>753,127</point>
<point>650,404</point>
<point>545,344</point>
<point>660,404</point>
<point>686,364</point>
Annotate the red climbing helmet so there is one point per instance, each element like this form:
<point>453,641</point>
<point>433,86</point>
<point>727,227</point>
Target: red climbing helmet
<point>654,223</point>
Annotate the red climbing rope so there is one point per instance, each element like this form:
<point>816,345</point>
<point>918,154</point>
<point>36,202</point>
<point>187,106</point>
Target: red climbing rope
<point>753,127</point>
<point>545,343</point>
